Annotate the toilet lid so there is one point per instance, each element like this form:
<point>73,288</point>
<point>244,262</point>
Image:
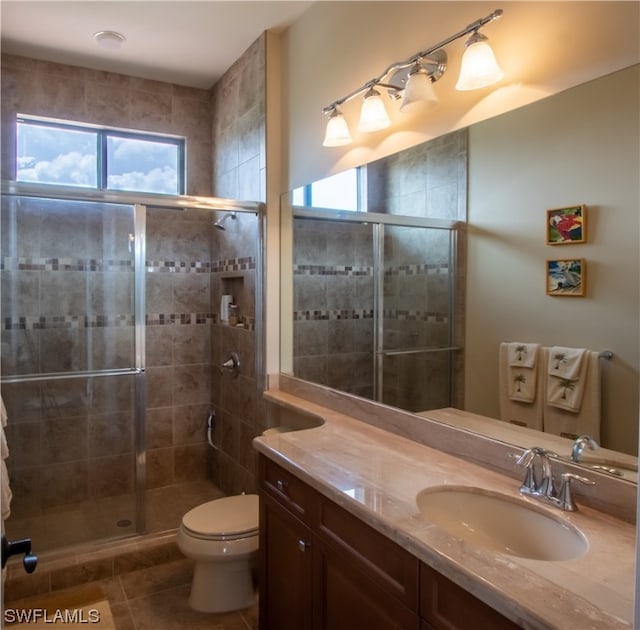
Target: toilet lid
<point>230,516</point>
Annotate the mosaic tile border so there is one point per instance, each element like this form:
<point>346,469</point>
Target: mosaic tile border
<point>9,263</point>
<point>73,322</point>
<point>351,270</point>
<point>332,314</point>
<point>430,317</point>
<point>331,270</point>
<point>425,269</point>
<point>64,264</point>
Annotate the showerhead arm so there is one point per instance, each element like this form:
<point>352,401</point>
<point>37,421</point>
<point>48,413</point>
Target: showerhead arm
<point>220,222</point>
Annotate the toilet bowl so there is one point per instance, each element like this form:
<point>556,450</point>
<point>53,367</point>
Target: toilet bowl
<point>221,536</point>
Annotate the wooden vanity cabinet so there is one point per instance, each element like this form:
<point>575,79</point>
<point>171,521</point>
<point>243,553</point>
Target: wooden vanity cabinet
<point>446,606</point>
<point>322,568</point>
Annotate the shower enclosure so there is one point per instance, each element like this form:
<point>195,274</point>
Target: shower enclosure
<point>108,311</point>
<point>372,298</point>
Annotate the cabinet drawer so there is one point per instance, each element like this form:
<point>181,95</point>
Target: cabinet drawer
<point>287,489</point>
<point>386,563</point>
<point>446,606</point>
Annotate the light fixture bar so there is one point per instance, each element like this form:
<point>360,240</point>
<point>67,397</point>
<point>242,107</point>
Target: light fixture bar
<point>474,26</point>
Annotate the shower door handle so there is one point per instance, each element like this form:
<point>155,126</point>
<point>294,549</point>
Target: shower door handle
<point>16,547</point>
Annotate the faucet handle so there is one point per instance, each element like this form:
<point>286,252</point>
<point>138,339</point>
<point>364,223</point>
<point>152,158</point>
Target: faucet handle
<point>529,484</point>
<point>565,496</point>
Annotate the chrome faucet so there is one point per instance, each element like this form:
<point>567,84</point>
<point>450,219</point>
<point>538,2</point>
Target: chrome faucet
<point>582,442</point>
<point>542,486</point>
<point>532,484</point>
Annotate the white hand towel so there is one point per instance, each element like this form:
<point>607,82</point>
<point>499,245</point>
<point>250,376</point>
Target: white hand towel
<point>571,423</point>
<point>523,407</point>
<point>567,374</point>
<point>523,354</point>
<point>565,362</point>
<point>522,371</point>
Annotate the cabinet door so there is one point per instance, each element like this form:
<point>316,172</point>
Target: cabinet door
<point>285,576</point>
<point>446,606</point>
<point>346,598</point>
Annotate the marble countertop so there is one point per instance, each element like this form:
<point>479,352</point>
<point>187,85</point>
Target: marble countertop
<point>376,475</point>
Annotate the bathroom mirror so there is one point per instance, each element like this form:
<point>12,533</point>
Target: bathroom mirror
<point>485,280</point>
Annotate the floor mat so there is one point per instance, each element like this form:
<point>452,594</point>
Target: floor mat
<point>85,606</point>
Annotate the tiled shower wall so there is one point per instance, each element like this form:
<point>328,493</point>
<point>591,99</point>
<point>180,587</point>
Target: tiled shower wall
<point>40,88</point>
<point>428,180</point>
<point>189,262</point>
<point>333,304</point>
<point>238,142</point>
<point>333,280</point>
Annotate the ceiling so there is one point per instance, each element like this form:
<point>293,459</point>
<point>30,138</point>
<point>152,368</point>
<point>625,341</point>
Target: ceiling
<point>182,42</point>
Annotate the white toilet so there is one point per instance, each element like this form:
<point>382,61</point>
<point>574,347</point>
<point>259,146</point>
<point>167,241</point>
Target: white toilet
<point>222,537</point>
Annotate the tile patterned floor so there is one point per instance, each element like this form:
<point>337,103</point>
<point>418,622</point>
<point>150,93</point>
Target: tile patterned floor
<point>157,599</point>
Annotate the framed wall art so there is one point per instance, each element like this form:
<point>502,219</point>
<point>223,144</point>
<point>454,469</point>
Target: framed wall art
<point>566,277</point>
<point>566,225</point>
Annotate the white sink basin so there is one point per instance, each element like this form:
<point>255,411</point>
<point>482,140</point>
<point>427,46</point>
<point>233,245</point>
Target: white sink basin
<point>501,523</point>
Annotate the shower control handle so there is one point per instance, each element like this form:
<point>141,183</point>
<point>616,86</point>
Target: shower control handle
<point>16,547</point>
<point>232,364</point>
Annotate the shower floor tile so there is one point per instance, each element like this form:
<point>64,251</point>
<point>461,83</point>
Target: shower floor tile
<point>111,517</point>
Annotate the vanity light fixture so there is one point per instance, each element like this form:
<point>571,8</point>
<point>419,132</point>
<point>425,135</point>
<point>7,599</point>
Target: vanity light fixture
<point>412,81</point>
<point>479,67</point>
<point>337,134</point>
<point>373,115</point>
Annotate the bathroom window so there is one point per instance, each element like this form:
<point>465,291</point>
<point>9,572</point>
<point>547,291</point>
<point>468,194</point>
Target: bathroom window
<point>56,152</point>
<point>342,191</point>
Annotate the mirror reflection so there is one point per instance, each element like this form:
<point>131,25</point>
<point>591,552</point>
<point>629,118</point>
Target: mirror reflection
<point>408,304</point>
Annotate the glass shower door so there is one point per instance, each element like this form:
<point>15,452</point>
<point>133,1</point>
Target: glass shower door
<point>415,349</point>
<point>334,304</point>
<point>71,368</point>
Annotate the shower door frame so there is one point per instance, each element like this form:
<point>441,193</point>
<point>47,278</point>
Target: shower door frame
<point>139,202</point>
<point>379,222</point>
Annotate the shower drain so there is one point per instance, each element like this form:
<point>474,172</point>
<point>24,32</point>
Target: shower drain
<point>123,522</point>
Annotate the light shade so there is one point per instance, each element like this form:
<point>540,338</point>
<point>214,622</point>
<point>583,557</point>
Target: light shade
<point>373,115</point>
<point>479,67</point>
<point>337,133</point>
<point>419,90</point>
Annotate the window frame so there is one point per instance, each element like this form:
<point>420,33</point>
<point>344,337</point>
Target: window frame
<point>102,136</point>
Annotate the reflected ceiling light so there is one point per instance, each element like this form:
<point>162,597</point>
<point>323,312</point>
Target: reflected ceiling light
<point>337,134</point>
<point>479,67</point>
<point>373,114</point>
<point>111,40</point>
<point>412,80</point>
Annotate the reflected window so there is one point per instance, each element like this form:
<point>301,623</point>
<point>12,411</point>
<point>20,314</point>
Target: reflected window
<point>57,152</point>
<point>342,191</point>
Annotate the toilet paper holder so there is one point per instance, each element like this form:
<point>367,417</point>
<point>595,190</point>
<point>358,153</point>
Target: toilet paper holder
<point>232,364</point>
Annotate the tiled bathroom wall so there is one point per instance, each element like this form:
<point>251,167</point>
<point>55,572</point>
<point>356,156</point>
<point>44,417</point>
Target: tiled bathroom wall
<point>428,180</point>
<point>189,265</point>
<point>333,304</point>
<point>333,283</point>
<point>40,88</point>
<point>238,137</point>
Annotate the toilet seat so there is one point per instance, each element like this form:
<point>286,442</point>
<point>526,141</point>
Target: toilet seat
<point>229,518</point>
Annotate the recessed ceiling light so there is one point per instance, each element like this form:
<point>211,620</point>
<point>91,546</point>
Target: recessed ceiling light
<point>111,40</point>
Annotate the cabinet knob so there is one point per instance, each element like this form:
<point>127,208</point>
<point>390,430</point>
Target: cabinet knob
<point>281,485</point>
<point>303,545</point>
